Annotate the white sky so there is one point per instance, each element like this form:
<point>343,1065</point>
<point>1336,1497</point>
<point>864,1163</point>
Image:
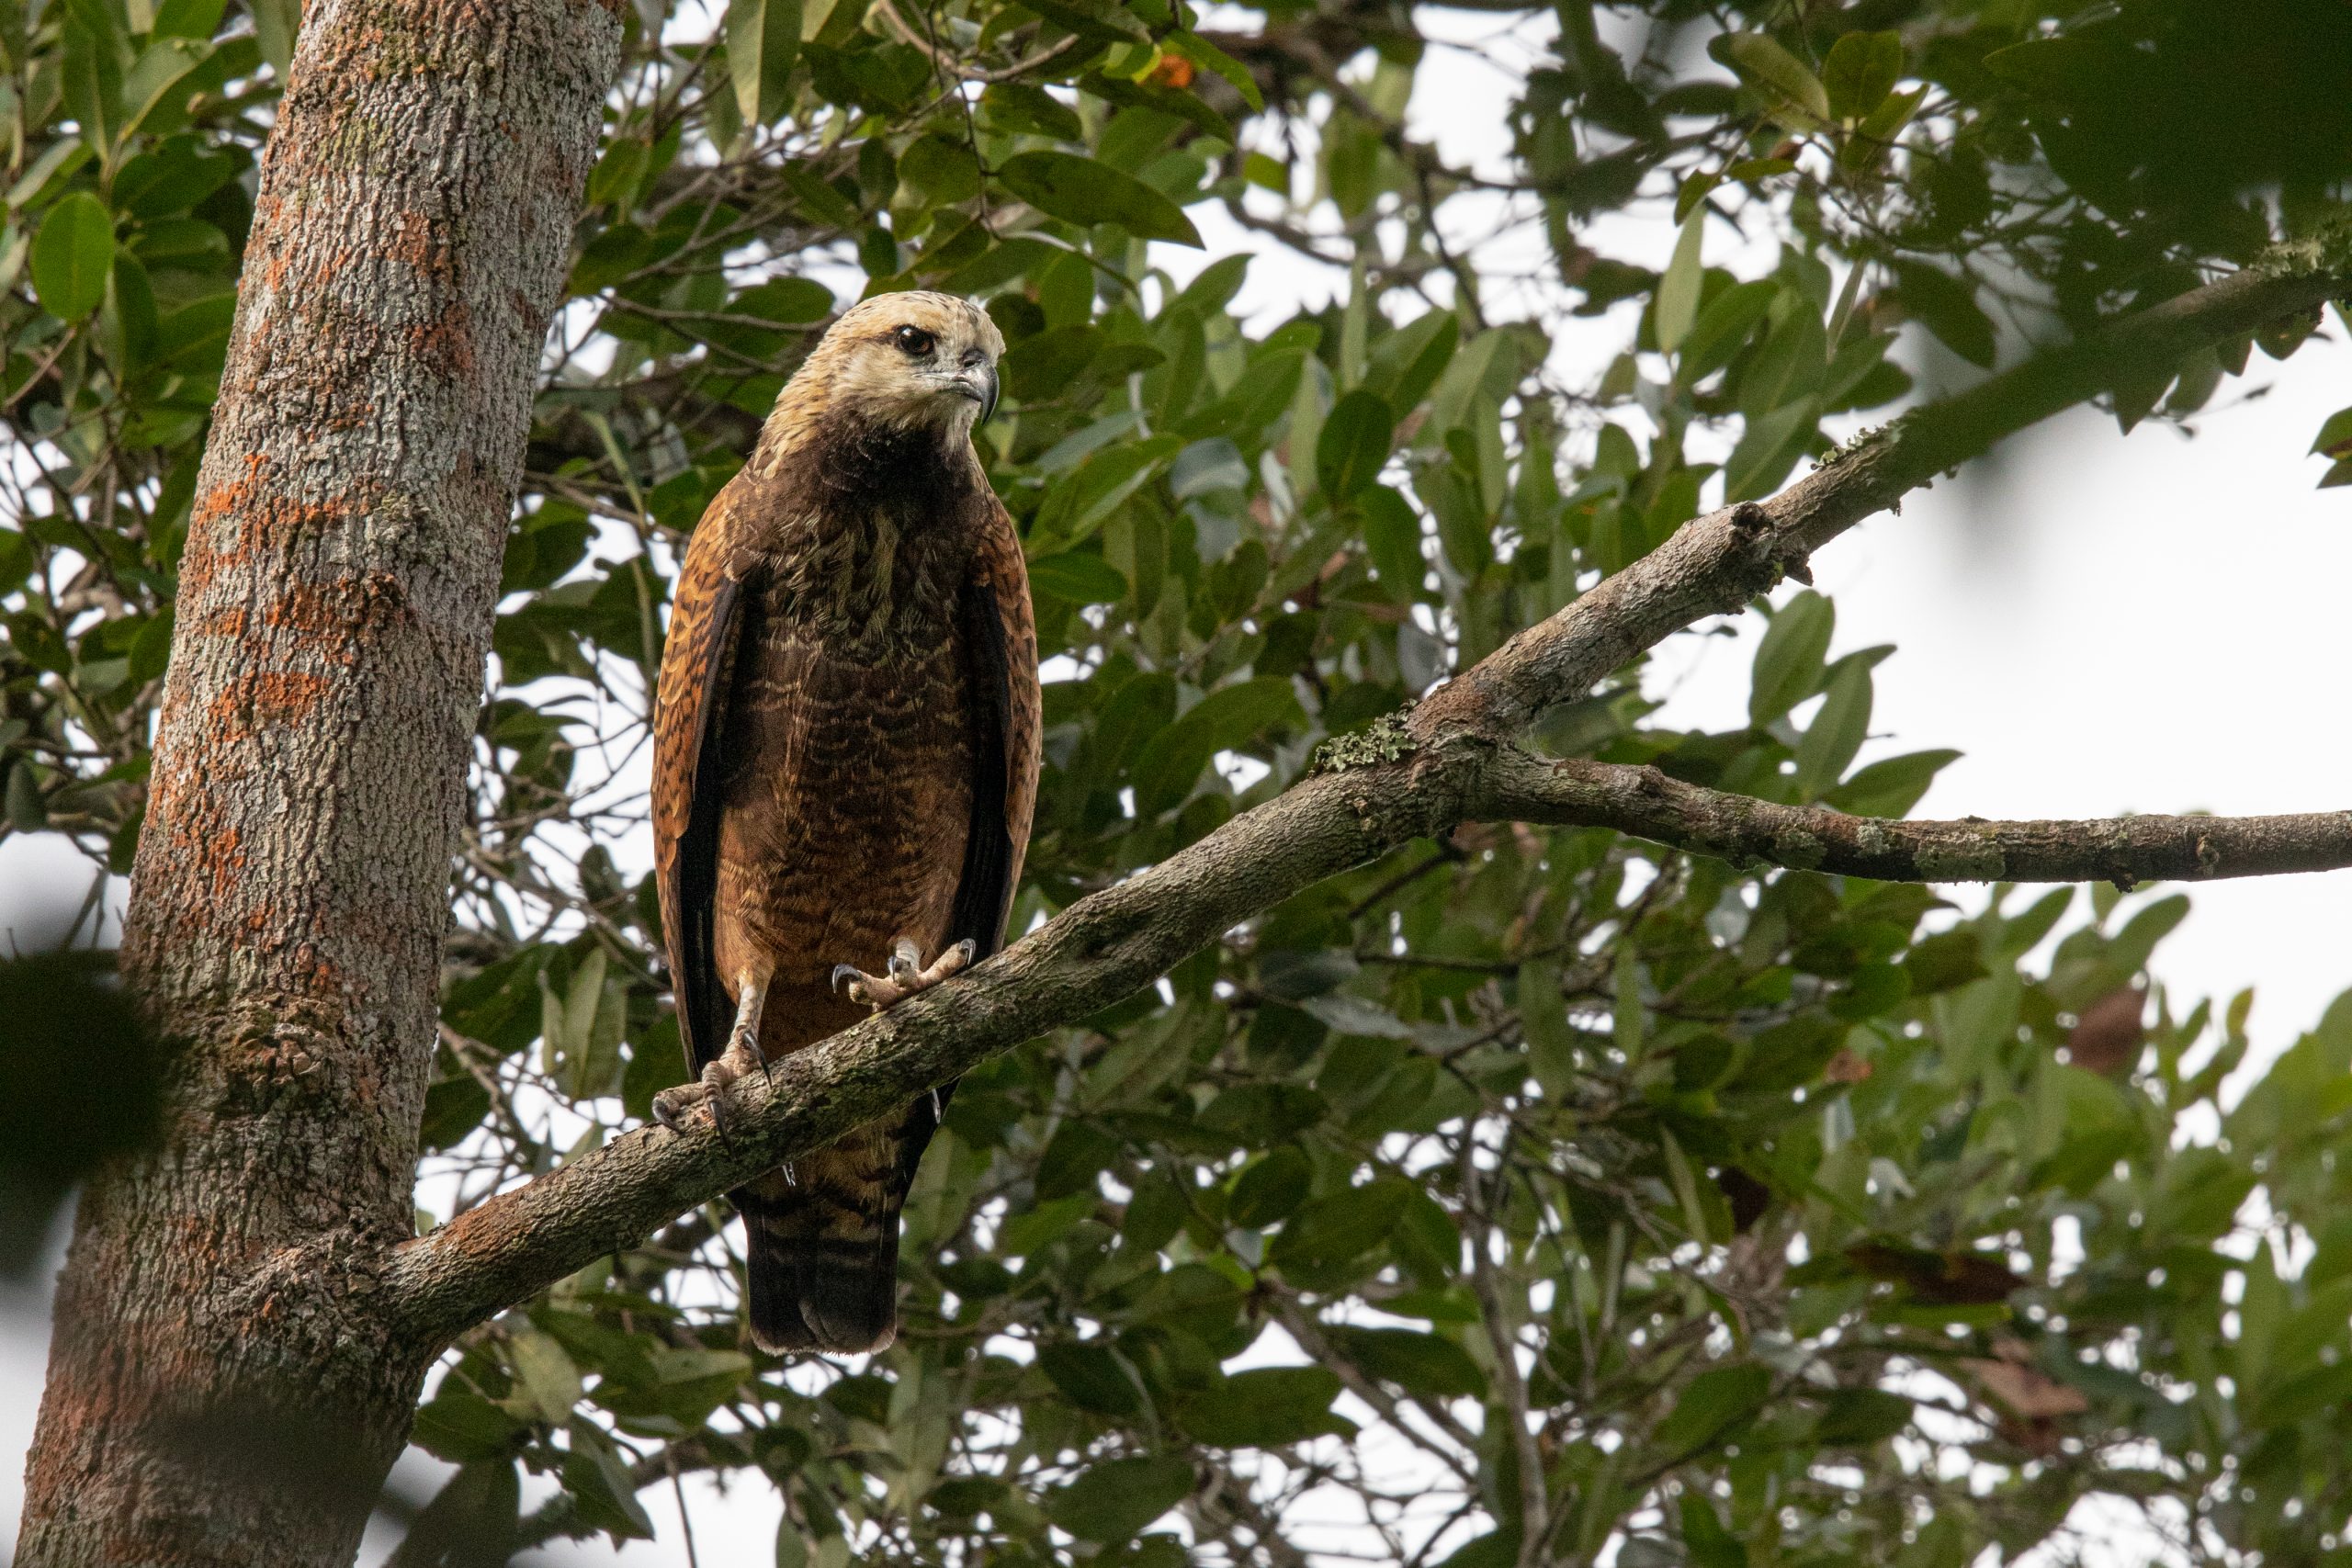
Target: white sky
<point>2100,624</point>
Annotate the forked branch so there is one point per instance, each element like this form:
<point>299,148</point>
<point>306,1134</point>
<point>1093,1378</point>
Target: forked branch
<point>1452,760</point>
<point>2126,850</point>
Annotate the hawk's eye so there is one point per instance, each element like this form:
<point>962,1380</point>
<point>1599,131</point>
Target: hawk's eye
<point>915,342</point>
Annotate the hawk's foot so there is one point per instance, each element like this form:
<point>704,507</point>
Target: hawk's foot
<point>905,975</point>
<point>741,1058</point>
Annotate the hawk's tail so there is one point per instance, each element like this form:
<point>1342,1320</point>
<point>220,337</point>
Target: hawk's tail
<point>822,1243</point>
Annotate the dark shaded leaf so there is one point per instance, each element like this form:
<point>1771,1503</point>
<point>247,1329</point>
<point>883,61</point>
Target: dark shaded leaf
<point>1113,1501</point>
<point>1083,190</point>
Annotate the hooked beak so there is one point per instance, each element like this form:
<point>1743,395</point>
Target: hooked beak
<point>977,382</point>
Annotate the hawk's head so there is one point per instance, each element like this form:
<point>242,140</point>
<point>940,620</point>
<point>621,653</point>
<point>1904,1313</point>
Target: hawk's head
<point>917,358</point>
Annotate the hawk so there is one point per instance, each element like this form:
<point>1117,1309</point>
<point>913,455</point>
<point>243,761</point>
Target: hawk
<point>845,762</point>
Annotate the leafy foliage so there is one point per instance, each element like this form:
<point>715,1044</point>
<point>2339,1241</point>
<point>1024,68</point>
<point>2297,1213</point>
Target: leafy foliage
<point>1525,1193</point>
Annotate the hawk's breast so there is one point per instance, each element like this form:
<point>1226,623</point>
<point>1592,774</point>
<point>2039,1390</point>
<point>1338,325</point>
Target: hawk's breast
<point>847,789</point>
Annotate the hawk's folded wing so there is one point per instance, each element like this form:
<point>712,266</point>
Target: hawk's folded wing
<point>697,667</point>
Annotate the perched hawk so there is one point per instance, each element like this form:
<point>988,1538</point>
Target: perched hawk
<point>846,759</point>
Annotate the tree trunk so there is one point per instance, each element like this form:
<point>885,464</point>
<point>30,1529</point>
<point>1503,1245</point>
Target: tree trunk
<point>219,1392</point>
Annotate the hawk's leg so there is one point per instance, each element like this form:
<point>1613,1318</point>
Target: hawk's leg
<point>905,973</point>
<point>740,1058</point>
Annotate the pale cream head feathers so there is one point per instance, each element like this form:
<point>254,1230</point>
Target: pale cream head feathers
<point>903,359</point>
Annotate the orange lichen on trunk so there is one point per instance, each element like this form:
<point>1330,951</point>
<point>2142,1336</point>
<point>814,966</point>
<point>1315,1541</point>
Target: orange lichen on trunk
<point>214,1398</point>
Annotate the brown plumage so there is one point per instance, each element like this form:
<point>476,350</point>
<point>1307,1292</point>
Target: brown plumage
<point>845,759</point>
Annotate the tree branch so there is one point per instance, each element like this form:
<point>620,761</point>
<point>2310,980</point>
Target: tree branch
<point>1714,565</point>
<point>1407,777</point>
<point>2126,850</point>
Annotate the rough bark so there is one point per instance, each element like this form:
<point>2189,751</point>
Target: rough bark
<point>1447,762</point>
<point>218,1392</point>
<point>2126,850</point>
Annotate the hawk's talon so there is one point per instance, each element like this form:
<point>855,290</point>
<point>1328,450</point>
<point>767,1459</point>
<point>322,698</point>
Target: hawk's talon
<point>740,1058</point>
<point>672,1106</point>
<point>667,1107</point>
<point>905,974</point>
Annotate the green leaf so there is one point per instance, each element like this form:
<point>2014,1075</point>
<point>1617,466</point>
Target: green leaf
<point>1223,720</point>
<point>129,315</point>
<point>1113,1501</point>
<point>17,560</point>
<point>1079,577</point>
<point>1106,20</point>
<point>194,339</point>
<point>188,18</point>
<point>63,160</point>
<point>154,96</point>
<point>1093,1377</point>
<point>1789,660</point>
<point>2335,437</point>
<point>1081,502</point>
<point>1342,1226</point>
<point>27,810</point>
<point>762,37</point>
<point>1018,107</point>
<point>1029,1233</point>
<point>1715,1402</point>
<point>89,63</point>
<point>1202,52</point>
<point>2048,67</point>
<point>453,1109</point>
<point>599,1483</point>
<point>1891,785</point>
<point>1861,70</point>
<point>1467,375</point>
<point>1860,1417</point>
<point>2130,948</point>
<point>1036,367</point>
<point>1427,1366</point>
<point>1392,536</point>
<point>1404,365</point>
<point>787,301</point>
<point>1721,328</point>
<point>72,256</point>
<point>276,25</point>
<point>1791,363</point>
<point>1947,307</point>
<point>1838,731</point>
<point>1787,84</point>
<point>463,1428</point>
<point>476,1511</point>
<point>1678,288</point>
<point>1768,448</point>
<point>1878,129</point>
<point>1078,1152</point>
<point>1704,1535</point>
<point>1271,1188</point>
<point>1085,191</point>
<point>546,1373</point>
<point>1354,444</point>
<point>1496,1548</point>
<point>1266,1406</point>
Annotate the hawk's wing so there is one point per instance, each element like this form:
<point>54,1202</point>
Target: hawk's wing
<point>999,633</point>
<point>698,665</point>
<point>1000,638</point>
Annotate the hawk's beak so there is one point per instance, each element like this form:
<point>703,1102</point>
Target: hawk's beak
<point>978,383</point>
